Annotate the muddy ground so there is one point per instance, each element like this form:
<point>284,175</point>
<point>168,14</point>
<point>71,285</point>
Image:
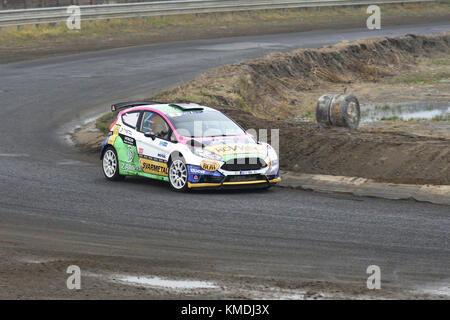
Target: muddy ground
<point>102,277</point>
<point>388,151</point>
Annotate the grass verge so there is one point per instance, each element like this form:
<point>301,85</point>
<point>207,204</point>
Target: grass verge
<point>48,39</point>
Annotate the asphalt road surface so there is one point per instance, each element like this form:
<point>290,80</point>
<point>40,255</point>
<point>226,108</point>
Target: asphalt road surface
<point>55,199</point>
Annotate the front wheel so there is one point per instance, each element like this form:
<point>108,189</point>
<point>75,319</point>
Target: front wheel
<point>110,165</point>
<point>178,175</point>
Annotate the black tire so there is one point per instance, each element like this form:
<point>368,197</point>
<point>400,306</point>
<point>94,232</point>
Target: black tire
<point>178,175</point>
<point>110,165</point>
<point>352,114</point>
<point>323,110</point>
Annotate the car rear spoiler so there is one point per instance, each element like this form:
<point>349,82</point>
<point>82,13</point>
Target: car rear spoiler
<point>124,105</point>
<point>187,106</point>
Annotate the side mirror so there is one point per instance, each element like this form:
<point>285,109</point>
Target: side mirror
<point>150,134</point>
<point>173,139</point>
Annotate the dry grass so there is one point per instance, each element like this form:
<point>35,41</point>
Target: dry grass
<point>288,85</point>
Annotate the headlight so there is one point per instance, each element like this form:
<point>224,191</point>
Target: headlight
<point>206,154</point>
<point>271,153</point>
<point>272,160</point>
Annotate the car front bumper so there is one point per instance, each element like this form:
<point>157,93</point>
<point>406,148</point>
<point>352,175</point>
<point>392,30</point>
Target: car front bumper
<point>199,178</point>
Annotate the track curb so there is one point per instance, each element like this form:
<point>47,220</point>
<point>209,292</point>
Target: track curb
<point>438,194</point>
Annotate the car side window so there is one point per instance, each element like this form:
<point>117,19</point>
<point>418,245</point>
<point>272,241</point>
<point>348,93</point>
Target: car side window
<point>153,122</point>
<point>131,119</point>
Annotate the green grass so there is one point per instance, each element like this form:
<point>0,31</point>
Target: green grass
<point>392,118</point>
<point>105,121</point>
<point>441,117</point>
<point>385,107</point>
<point>429,78</point>
<point>443,60</point>
<point>308,114</point>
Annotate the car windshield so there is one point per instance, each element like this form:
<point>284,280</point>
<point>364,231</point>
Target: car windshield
<point>204,124</point>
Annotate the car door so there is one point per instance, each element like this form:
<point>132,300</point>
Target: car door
<point>153,143</point>
<point>126,149</point>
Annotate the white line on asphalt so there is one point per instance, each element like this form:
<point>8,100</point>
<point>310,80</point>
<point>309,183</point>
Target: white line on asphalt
<point>14,155</point>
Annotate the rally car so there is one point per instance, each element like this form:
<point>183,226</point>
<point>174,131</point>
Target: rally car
<point>188,145</point>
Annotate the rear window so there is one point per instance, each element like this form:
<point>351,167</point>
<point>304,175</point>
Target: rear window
<point>131,119</point>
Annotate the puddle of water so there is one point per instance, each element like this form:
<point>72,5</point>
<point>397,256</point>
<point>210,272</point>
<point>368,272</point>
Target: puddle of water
<point>241,46</point>
<point>167,283</point>
<point>439,290</point>
<point>13,155</point>
<point>404,111</point>
<point>33,260</point>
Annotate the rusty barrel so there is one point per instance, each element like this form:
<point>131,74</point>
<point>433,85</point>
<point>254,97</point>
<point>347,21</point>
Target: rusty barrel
<point>341,110</point>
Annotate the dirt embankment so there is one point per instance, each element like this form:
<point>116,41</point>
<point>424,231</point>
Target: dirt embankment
<point>264,93</point>
<point>280,85</point>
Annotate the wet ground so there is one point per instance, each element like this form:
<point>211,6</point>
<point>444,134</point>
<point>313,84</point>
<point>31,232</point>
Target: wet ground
<point>419,118</point>
<point>406,111</point>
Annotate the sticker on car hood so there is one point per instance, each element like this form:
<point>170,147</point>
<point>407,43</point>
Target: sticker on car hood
<point>236,148</point>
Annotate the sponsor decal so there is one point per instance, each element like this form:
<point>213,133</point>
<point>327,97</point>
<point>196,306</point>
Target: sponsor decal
<point>126,131</point>
<point>154,167</point>
<point>141,150</point>
<point>130,153</point>
<point>196,171</point>
<point>209,165</point>
<point>130,167</point>
<point>175,114</point>
<point>163,143</point>
<point>162,155</point>
<point>217,141</point>
<point>234,148</point>
<point>128,140</point>
<point>142,156</point>
<point>114,135</point>
<point>247,172</point>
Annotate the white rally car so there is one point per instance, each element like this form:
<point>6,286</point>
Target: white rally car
<point>188,145</point>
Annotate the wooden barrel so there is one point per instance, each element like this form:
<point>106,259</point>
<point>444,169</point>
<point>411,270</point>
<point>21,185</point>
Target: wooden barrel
<point>341,110</point>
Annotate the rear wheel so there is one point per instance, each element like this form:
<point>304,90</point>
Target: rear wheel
<point>178,175</point>
<point>110,165</point>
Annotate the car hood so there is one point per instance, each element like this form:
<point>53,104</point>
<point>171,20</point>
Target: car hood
<point>234,147</point>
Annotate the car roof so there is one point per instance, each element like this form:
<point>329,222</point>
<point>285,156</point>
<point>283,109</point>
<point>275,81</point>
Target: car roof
<point>171,109</point>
